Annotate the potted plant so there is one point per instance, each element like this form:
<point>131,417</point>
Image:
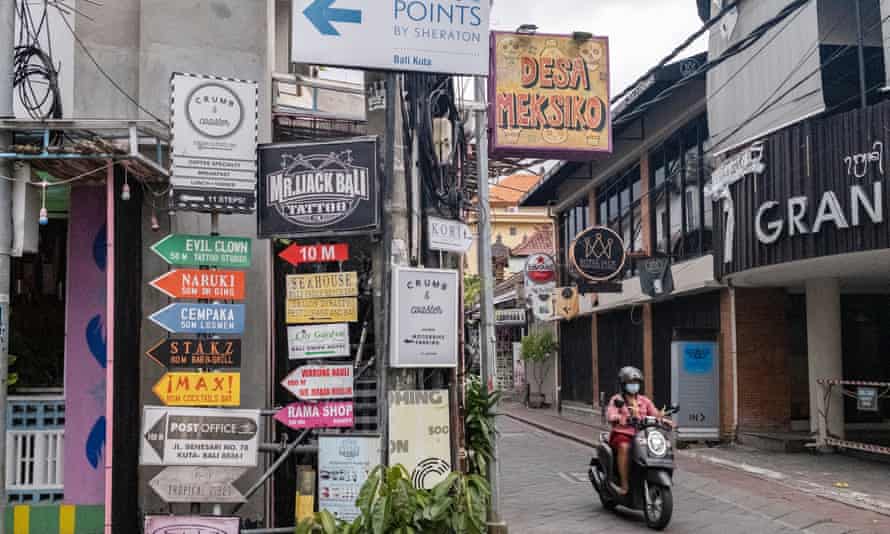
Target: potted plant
<point>538,349</point>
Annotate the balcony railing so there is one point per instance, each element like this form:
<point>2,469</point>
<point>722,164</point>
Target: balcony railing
<point>35,444</point>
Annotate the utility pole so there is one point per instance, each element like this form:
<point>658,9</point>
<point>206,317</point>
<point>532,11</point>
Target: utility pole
<point>486,295</point>
<point>7,45</point>
<point>860,38</point>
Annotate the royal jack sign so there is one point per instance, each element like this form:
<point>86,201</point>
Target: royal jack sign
<point>319,189</point>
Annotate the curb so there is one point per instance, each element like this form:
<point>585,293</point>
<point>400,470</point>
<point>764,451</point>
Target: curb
<point>551,430</point>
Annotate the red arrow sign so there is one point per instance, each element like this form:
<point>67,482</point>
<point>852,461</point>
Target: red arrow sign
<point>297,254</point>
<point>201,284</point>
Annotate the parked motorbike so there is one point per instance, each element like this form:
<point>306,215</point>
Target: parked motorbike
<point>651,471</point>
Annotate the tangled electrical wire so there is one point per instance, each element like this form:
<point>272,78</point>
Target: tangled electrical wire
<point>35,77</point>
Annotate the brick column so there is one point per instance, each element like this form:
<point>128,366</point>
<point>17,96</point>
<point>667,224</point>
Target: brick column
<point>727,378</point>
<point>648,350</point>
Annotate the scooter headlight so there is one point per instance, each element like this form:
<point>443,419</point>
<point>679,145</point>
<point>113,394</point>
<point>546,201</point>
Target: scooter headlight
<point>657,443</point>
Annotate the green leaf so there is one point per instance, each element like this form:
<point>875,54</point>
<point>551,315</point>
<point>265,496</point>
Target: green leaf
<point>328,522</point>
<point>380,517</point>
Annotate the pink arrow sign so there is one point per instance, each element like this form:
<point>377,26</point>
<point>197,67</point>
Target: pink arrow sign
<point>326,414</point>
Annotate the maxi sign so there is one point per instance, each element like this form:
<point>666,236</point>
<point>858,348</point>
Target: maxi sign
<point>446,36</point>
<point>199,389</point>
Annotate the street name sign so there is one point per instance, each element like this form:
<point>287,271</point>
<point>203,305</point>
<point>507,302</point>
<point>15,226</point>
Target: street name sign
<point>201,250</point>
<point>306,342</point>
<point>195,318</point>
<point>448,235</point>
<point>446,36</point>
<point>322,285</point>
<point>324,414</point>
<point>199,389</point>
<point>182,484</point>
<point>197,353</point>
<point>201,284</point>
<point>298,254</point>
<point>337,310</point>
<point>320,382</point>
<point>199,437</point>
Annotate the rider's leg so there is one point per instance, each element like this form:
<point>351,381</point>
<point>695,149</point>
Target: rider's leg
<point>624,467</point>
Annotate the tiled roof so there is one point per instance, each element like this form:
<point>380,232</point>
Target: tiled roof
<point>540,242</point>
<point>511,189</point>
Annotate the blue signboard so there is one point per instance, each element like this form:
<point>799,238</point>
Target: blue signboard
<point>698,358</point>
<point>192,318</point>
<point>695,386</point>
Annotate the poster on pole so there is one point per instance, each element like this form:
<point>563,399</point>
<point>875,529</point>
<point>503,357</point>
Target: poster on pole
<point>307,342</point>
<point>344,463</point>
<point>424,313</point>
<point>419,435</point>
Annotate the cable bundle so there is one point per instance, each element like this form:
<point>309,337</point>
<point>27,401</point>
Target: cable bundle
<point>35,77</point>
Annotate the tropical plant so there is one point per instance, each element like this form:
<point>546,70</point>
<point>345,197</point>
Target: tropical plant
<point>538,349</point>
<point>472,286</point>
<point>479,424</point>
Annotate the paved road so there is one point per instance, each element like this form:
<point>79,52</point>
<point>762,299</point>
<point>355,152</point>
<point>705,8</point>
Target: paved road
<point>546,491</point>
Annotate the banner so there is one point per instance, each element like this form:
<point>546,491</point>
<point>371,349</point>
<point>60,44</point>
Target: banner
<point>424,317</point>
<point>344,463</point>
<point>419,435</point>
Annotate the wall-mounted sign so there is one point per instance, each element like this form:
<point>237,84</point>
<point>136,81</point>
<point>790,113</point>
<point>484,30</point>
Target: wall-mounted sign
<point>424,317</point>
<point>320,382</point>
<point>322,285</point>
<point>540,269</point>
<point>695,382</point>
<point>597,254</point>
<point>566,303</point>
<point>656,278</point>
<point>420,434</point>
<point>549,96</point>
<point>201,284</point>
<point>324,414</point>
<point>198,484</point>
<point>326,189</point>
<point>448,235</point>
<point>315,311</point>
<point>199,389</point>
<point>510,317</point>
<point>298,254</point>
<point>191,524</point>
<point>447,36</point>
<point>213,146</point>
<point>195,318</point>
<point>204,251</point>
<point>344,463</point>
<point>199,436</point>
<point>306,342</point>
<point>197,353</point>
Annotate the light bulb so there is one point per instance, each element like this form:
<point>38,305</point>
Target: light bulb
<point>43,219</point>
<point>125,192</point>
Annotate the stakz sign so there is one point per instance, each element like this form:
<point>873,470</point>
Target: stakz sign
<point>319,189</point>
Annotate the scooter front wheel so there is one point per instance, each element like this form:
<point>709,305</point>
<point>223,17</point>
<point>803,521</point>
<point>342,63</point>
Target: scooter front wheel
<point>607,503</point>
<point>659,507</point>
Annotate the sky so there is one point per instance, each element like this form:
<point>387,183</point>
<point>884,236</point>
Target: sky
<point>641,32</point>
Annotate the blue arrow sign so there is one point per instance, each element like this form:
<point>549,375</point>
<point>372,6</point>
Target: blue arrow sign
<point>192,318</point>
<point>321,15</point>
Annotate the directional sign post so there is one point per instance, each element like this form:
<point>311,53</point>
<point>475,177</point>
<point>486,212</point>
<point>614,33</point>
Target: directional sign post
<point>201,284</point>
<point>322,285</point>
<point>194,318</point>
<point>448,235</point>
<point>199,389</point>
<point>194,353</point>
<point>313,311</point>
<point>199,436</point>
<point>325,414</point>
<point>198,484</point>
<point>201,250</point>
<point>320,382</point>
<point>297,254</point>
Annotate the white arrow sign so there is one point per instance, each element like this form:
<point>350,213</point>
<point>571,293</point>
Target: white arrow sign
<point>448,235</point>
<point>320,382</point>
<point>198,484</point>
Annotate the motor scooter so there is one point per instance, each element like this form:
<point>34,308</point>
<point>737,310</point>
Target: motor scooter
<point>651,470</point>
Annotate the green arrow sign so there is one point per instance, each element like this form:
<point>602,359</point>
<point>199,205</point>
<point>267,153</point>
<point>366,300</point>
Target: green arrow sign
<point>200,250</point>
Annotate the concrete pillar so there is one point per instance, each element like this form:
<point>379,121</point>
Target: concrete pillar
<point>824,351</point>
<point>648,351</point>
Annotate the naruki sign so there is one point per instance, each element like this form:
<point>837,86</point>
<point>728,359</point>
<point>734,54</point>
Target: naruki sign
<point>199,389</point>
<point>201,284</point>
<point>201,250</point>
<point>195,353</point>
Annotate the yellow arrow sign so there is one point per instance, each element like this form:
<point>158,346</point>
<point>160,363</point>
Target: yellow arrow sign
<point>199,389</point>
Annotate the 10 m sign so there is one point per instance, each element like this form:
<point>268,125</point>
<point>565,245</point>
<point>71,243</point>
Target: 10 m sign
<point>297,254</point>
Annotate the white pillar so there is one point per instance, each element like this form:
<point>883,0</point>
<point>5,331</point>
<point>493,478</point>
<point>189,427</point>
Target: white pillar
<point>824,352</point>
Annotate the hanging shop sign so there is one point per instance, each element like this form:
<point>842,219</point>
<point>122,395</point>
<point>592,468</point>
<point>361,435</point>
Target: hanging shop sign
<point>199,437</point>
<point>322,285</point>
<point>656,278</point>
<point>197,353</point>
<point>299,254</point>
<point>195,318</point>
<point>191,524</point>
<point>204,251</point>
<point>199,389</point>
<point>320,382</point>
<point>201,284</point>
<point>540,269</point>
<point>598,254</point>
<point>326,189</point>
<point>448,235</point>
<point>445,36</point>
<point>424,311</point>
<point>542,305</point>
<point>321,341</point>
<point>566,303</point>
<point>198,484</point>
<point>314,311</point>
<point>695,387</point>
<point>324,414</point>
<point>511,317</point>
<point>344,463</point>
<point>549,96</point>
<point>213,146</point>
<point>419,435</point>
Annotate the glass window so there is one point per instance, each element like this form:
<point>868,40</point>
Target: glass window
<point>513,231</point>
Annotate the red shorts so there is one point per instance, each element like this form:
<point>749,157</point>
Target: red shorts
<point>616,439</point>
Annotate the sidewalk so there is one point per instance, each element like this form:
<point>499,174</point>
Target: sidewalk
<point>851,481</point>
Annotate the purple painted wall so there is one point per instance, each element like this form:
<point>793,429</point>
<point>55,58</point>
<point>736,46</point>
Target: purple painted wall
<point>85,348</point>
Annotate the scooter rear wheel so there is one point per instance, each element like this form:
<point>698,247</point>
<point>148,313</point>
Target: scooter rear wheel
<point>660,508</point>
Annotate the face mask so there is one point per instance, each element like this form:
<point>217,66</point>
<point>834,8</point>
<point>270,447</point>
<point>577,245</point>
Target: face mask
<point>633,388</point>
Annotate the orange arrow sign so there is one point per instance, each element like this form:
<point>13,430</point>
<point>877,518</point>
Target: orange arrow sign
<point>201,284</point>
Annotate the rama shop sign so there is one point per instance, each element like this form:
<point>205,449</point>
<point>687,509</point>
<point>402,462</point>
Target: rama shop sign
<point>326,189</point>
<point>598,254</point>
<point>320,382</point>
<point>420,435</point>
<point>191,524</point>
<point>306,342</point>
<point>214,126</point>
<point>324,414</point>
<point>425,316</point>
<point>322,285</point>
<point>549,96</point>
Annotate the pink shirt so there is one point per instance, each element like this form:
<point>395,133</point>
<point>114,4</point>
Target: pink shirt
<point>619,416</point>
